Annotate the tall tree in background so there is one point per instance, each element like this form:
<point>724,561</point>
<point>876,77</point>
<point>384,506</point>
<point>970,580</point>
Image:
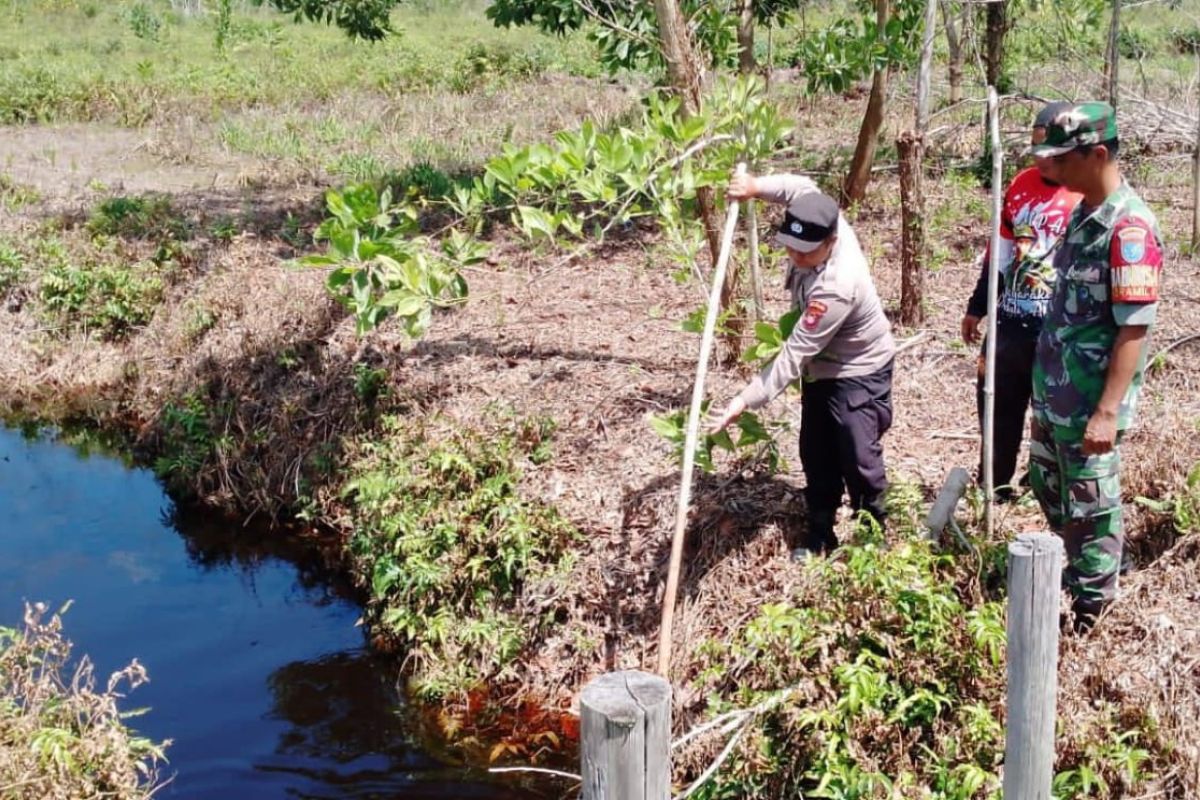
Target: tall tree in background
<point>855,187</point>
<point>1112,55</point>
<point>745,36</point>
<point>997,27</point>
<point>956,17</point>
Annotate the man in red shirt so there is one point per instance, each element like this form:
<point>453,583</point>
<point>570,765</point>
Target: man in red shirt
<point>1033,219</point>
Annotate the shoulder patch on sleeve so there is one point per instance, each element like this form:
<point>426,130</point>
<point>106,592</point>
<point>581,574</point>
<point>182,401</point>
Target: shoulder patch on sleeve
<point>812,315</point>
<point>1136,259</point>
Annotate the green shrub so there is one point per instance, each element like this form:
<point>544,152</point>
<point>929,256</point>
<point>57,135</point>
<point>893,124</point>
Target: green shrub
<point>12,266</point>
<point>186,441</point>
<point>357,167</point>
<point>422,181</point>
<point>447,544</point>
<point>99,296</point>
<point>484,63</point>
<point>144,23</point>
<point>14,195</point>
<point>883,676</point>
<point>1186,40</point>
<point>1134,44</point>
<point>30,94</point>
<point>138,217</point>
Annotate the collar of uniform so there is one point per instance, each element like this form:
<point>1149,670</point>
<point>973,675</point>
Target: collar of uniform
<point>1113,207</point>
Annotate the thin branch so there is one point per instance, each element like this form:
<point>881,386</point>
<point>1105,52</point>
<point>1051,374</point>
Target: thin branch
<point>712,769</point>
<point>1175,344</point>
<point>911,342</point>
<point>612,24</point>
<point>555,772</point>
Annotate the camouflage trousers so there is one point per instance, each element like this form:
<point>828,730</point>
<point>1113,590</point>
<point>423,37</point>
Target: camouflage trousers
<point>1081,498</point>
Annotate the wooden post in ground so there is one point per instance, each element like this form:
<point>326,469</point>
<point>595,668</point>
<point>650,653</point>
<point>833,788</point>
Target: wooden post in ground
<point>912,233</point>
<point>625,737</point>
<point>911,147</point>
<point>942,511</point>
<point>1034,584</point>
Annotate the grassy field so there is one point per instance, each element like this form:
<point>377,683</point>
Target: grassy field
<point>139,62</point>
<point>503,498</point>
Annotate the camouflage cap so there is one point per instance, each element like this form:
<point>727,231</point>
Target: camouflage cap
<point>1078,125</point>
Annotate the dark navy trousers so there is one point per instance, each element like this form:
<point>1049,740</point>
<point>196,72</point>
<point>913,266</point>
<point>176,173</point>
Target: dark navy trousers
<point>841,423</point>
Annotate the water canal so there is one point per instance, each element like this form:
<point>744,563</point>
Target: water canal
<point>257,669</point>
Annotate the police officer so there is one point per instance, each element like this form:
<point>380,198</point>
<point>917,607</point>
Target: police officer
<point>1033,218</point>
<point>841,346</point>
<point>1092,351</point>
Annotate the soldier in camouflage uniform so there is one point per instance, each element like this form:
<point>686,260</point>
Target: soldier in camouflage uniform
<point>1091,352</point>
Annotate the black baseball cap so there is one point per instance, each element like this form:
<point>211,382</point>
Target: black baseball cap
<point>808,222</point>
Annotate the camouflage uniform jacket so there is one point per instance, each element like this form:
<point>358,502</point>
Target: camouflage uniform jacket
<point>1109,266</point>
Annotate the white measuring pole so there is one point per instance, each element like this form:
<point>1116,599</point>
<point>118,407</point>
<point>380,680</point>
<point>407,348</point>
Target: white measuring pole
<point>989,377</point>
<point>689,444</point>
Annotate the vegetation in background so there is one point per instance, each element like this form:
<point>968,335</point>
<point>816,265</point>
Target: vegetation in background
<point>141,62</point>
<point>588,181</point>
<point>138,217</point>
<point>448,546</point>
<point>61,736</point>
<point>381,267</point>
<point>188,441</point>
<point>97,289</point>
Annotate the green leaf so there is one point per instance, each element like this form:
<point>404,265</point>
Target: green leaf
<point>403,302</point>
<point>668,427</point>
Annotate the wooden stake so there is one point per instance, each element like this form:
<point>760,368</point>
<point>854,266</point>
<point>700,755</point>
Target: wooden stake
<point>989,380</point>
<point>1034,585</point>
<point>689,446</point>
<point>912,230</point>
<point>755,275</point>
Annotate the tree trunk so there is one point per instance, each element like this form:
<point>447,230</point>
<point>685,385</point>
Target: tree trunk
<point>683,67</point>
<point>925,71</point>
<point>1112,58</point>
<point>745,37</point>
<point>686,76</point>
<point>954,45</point>
<point>997,26</point>
<point>859,176</point>
<point>912,214</point>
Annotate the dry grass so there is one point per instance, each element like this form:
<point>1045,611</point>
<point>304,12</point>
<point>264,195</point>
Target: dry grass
<point>1142,661</point>
<point>62,737</point>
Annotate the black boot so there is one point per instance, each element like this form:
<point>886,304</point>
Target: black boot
<point>1086,613</point>
<point>821,540</point>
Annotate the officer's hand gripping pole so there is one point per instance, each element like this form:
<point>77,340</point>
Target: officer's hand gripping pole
<point>693,427</point>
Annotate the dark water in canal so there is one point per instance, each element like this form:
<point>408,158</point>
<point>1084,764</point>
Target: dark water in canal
<point>257,671</point>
